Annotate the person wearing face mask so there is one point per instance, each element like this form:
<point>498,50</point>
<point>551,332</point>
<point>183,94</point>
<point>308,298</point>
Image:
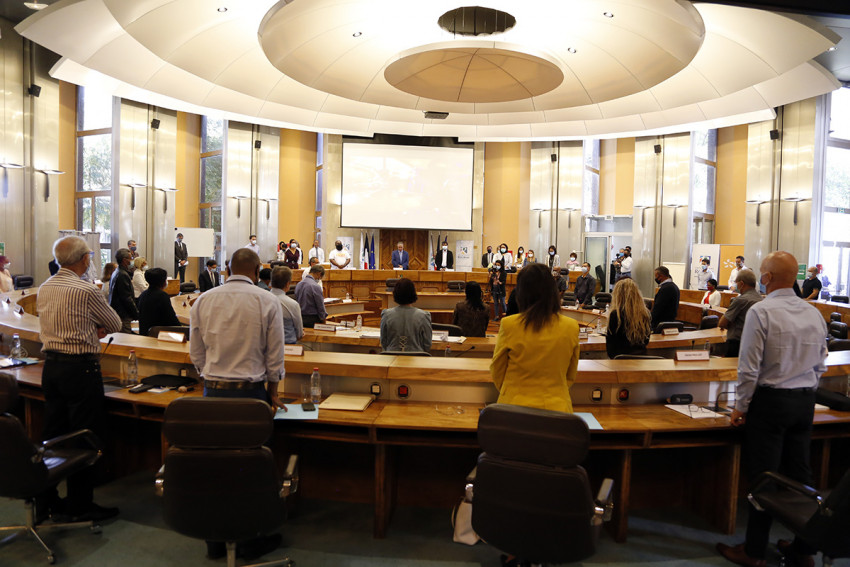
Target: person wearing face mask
<point>281,250</point>
<point>733,277</point>
<point>560,281</point>
<point>711,297</point>
<point>339,257</point>
<point>139,282</point>
<point>291,255</point>
<point>487,258</point>
<point>736,315</point>
<point>519,260</point>
<point>585,286</point>
<point>626,263</point>
<point>529,258</point>
<point>131,246</point>
<point>503,256</point>
<point>498,276</point>
<point>782,358</point>
<point>252,244</point>
<point>121,297</point>
<point>666,303</point>
<point>444,260</point>
<point>6,283</point>
<point>703,273</point>
<point>572,263</point>
<point>553,259</point>
<point>812,285</point>
<point>181,258</point>
<point>316,252</point>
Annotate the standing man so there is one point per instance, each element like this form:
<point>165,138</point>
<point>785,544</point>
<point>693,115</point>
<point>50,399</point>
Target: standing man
<point>308,293</point>
<point>733,277</point>
<point>781,361</point>
<point>400,258</point>
<point>444,260</point>
<point>252,245</point>
<point>703,273</point>
<point>339,257</point>
<point>626,263</point>
<point>316,252</point>
<point>131,246</point>
<point>121,296</point>
<point>181,258</point>
<point>487,259</point>
<point>812,285</point>
<point>313,261</point>
<point>665,307</point>
<point>293,327</point>
<point>734,318</point>
<point>585,286</point>
<point>208,279</point>
<point>74,317</point>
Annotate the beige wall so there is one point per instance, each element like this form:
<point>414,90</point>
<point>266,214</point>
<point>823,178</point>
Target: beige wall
<point>507,174</point>
<point>67,155</point>
<point>616,176</point>
<point>188,177</point>
<point>297,204</point>
<point>730,207</point>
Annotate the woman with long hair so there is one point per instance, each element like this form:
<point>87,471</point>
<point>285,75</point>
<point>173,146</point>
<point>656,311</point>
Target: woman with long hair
<point>108,269</point>
<point>536,356</point>
<point>471,315</point>
<point>628,320</point>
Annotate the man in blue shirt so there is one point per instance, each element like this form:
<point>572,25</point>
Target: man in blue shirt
<point>309,296</point>
<point>782,358</point>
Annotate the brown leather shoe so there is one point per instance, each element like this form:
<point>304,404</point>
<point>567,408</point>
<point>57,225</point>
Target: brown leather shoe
<point>794,558</point>
<point>736,554</point>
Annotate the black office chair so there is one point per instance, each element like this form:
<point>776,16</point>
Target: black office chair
<point>456,286</point>
<point>840,299</point>
<point>722,288</point>
<point>22,281</point>
<point>27,470</point>
<point>154,331</point>
<point>275,263</point>
<point>709,322</point>
<point>219,482</point>
<point>600,278</point>
<point>821,519</point>
<point>565,272</point>
<point>454,330</point>
<point>569,298</point>
<point>836,345</point>
<point>601,300</point>
<point>530,496</point>
<point>835,316</point>
<point>187,287</point>
<point>659,328</point>
<point>837,330</point>
<point>391,283</point>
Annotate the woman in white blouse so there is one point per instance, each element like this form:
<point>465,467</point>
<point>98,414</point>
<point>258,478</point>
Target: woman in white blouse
<point>712,296</point>
<point>139,282</point>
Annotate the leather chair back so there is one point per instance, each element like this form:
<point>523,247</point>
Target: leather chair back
<point>840,299</point>
<point>827,529</point>
<point>531,497</point>
<point>391,283</point>
<point>836,345</point>
<point>838,330</point>
<point>601,299</point>
<point>709,322</point>
<point>456,285</point>
<point>569,298</point>
<point>454,330</point>
<point>669,325</point>
<point>220,482</point>
<point>23,282</point>
<point>21,476</point>
<point>188,287</point>
<point>835,316</point>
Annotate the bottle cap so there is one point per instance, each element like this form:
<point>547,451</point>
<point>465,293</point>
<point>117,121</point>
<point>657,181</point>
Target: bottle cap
<point>315,368</point>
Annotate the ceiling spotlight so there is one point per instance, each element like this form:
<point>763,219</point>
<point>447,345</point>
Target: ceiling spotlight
<point>35,5</point>
<point>223,9</point>
<point>571,49</point>
<point>833,48</point>
<point>608,14</point>
<point>357,34</point>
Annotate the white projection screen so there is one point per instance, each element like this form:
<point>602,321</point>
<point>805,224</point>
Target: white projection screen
<point>393,186</point>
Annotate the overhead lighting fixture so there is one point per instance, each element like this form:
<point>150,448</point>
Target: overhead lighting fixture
<point>675,208</point>
<point>796,200</point>
<point>133,187</point>
<point>833,48</point>
<point>35,5</point>
<point>357,34</point>
<point>268,205</point>
<point>165,190</point>
<point>223,9</point>
<point>571,49</point>
<point>47,173</point>
<point>239,199</point>
<point>758,203</point>
<point>434,115</point>
<point>608,14</point>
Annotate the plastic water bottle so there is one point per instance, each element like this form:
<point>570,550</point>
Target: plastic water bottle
<point>347,296</point>
<point>448,351</point>
<point>17,351</point>
<point>358,326</point>
<point>316,386</point>
<point>132,369</point>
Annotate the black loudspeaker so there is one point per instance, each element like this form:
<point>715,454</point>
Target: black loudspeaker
<point>680,399</point>
<point>34,90</point>
<point>774,134</point>
<point>155,123</point>
<point>554,157</point>
<point>257,144</point>
<point>658,148</point>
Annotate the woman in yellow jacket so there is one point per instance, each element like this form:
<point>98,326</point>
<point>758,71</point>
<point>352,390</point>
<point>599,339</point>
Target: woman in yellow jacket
<point>537,351</point>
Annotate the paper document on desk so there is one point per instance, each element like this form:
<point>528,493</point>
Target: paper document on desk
<point>694,411</point>
<point>370,335</point>
<point>592,422</point>
<point>438,339</point>
<point>349,402</point>
<point>295,411</point>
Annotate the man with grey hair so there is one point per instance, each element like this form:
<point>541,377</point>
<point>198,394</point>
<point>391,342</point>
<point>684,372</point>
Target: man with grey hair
<point>121,296</point>
<point>310,298</point>
<point>293,328</point>
<point>313,262</point>
<point>401,258</point>
<point>733,319</point>
<point>73,316</point>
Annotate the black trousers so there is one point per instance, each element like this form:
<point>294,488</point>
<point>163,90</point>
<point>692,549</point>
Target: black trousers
<point>310,320</point>
<point>73,400</point>
<point>778,435</point>
<point>732,348</point>
<point>180,271</point>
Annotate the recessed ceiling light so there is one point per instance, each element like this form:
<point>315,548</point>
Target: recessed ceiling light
<point>35,5</point>
<point>608,14</point>
<point>833,48</point>
<point>571,49</point>
<point>357,34</point>
<point>223,9</point>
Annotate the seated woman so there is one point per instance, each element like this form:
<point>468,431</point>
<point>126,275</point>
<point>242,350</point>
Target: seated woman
<point>536,356</point>
<point>471,315</point>
<point>712,296</point>
<point>405,328</point>
<point>628,320</point>
<point>139,283</point>
<point>155,308</point>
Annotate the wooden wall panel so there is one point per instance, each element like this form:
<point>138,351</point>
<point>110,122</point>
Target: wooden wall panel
<point>415,242</point>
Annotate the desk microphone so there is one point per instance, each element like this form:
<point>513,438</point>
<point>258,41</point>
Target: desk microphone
<point>465,351</point>
<point>109,342</point>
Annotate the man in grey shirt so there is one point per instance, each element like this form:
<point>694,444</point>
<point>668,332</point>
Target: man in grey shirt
<point>782,358</point>
<point>293,329</point>
<point>310,298</point>
<point>733,319</point>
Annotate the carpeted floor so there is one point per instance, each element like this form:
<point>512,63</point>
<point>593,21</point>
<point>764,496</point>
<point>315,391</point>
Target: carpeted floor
<point>335,534</point>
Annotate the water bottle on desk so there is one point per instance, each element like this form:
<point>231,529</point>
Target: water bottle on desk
<point>358,326</point>
<point>316,386</point>
<point>132,369</point>
<point>347,296</point>
<point>17,350</point>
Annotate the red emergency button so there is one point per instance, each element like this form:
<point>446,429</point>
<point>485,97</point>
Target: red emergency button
<point>623,395</point>
<point>403,391</point>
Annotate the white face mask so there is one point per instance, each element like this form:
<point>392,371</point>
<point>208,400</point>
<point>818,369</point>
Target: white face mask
<point>253,241</point>
<point>704,267</point>
<point>584,269</point>
<point>293,246</point>
<point>530,255</point>
<point>504,250</point>
<point>445,247</point>
<point>551,252</point>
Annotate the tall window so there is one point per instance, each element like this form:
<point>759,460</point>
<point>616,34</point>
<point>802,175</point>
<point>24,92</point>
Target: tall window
<point>212,145</point>
<point>703,185</point>
<point>590,179</point>
<point>835,243</point>
<point>94,166</point>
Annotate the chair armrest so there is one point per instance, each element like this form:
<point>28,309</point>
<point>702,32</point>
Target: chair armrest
<point>159,481</point>
<point>86,434</point>
<point>470,478</point>
<point>783,481</point>
<point>604,505</point>
<point>290,478</point>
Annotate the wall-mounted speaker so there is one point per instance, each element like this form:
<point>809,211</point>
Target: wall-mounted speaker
<point>774,134</point>
<point>34,90</point>
<point>155,123</point>
<point>658,148</point>
<point>257,144</point>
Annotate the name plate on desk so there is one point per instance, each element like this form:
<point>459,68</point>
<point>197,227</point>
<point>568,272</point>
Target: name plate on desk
<point>691,354</point>
<point>325,327</point>
<point>293,350</point>
<point>439,335</point>
<point>668,332</point>
<point>346,300</point>
<point>582,335</point>
<point>171,337</point>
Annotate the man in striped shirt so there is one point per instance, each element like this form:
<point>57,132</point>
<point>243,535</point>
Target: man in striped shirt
<point>74,317</point>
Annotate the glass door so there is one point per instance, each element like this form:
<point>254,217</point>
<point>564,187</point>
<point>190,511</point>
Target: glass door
<point>596,254</point>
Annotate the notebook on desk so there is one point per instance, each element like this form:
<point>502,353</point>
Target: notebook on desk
<point>349,402</point>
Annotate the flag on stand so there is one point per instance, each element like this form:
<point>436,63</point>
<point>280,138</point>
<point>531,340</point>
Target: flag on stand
<point>372,253</point>
<point>364,252</point>
<point>430,251</point>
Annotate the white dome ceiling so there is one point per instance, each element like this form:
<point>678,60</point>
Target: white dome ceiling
<point>583,68</point>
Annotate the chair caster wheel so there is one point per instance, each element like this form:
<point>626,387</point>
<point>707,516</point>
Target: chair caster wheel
<point>51,559</point>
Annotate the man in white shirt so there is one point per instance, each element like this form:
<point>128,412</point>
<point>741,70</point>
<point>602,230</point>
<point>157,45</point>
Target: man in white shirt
<point>626,263</point>
<point>313,262</point>
<point>316,252</point>
<point>444,259</point>
<point>739,265</point>
<point>702,274</point>
<point>339,257</point>
<point>252,245</point>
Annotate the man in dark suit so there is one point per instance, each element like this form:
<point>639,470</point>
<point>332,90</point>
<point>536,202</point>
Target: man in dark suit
<point>181,258</point>
<point>401,259</point>
<point>121,292</point>
<point>444,259</point>
<point>487,259</point>
<point>208,279</point>
<point>666,304</point>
